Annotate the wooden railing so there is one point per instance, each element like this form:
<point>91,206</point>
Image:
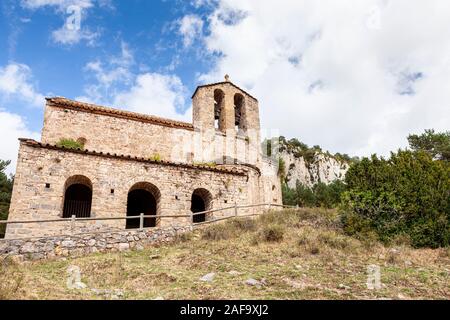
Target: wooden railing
<point>73,220</point>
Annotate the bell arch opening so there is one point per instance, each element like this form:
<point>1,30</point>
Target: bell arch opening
<point>201,201</point>
<point>143,197</point>
<point>238,113</point>
<point>218,109</point>
<point>77,197</point>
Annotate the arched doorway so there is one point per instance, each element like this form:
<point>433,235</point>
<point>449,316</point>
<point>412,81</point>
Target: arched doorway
<point>143,198</point>
<point>201,201</point>
<point>77,197</point>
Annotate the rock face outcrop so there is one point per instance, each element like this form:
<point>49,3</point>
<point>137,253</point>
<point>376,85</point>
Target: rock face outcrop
<point>322,168</point>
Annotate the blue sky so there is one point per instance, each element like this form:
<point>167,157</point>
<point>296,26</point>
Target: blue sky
<point>352,76</point>
<point>148,28</point>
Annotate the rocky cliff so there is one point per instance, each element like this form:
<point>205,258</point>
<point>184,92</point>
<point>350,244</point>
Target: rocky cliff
<point>310,166</point>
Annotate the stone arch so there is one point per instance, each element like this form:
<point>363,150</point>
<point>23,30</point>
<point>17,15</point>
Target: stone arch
<point>219,104</point>
<point>143,197</point>
<point>239,120</point>
<point>77,197</point>
<point>201,200</point>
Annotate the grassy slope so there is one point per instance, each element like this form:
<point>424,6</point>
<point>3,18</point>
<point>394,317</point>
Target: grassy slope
<point>313,260</point>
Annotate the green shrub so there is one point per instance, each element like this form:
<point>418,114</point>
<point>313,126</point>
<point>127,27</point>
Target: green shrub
<point>220,231</point>
<point>6,185</point>
<point>408,194</point>
<point>156,157</point>
<point>243,224</point>
<point>334,240</point>
<point>320,195</point>
<point>272,233</point>
<point>70,144</point>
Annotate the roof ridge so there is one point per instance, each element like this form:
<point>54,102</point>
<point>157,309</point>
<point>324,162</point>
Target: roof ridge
<point>34,143</point>
<point>62,101</point>
<point>223,82</point>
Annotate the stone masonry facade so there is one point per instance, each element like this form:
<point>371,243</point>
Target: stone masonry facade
<point>211,163</point>
<point>82,244</point>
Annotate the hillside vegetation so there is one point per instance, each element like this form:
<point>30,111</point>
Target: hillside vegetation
<point>6,184</point>
<point>289,254</point>
<point>406,195</point>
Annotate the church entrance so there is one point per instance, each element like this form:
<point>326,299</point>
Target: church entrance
<point>142,199</point>
<point>201,201</point>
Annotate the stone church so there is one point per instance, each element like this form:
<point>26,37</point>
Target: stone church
<point>131,163</point>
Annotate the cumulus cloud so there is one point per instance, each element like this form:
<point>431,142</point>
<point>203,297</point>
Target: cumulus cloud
<point>154,93</point>
<point>67,36</point>
<point>115,83</point>
<point>16,81</point>
<point>353,76</point>
<point>13,127</point>
<point>74,12</point>
<point>190,27</point>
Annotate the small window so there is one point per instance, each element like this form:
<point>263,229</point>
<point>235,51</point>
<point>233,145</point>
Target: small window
<point>112,191</point>
<point>47,186</point>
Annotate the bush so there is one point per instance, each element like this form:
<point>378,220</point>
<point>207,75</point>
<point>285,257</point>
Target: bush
<point>245,224</point>
<point>156,157</point>
<point>70,144</point>
<point>408,194</point>
<point>6,185</point>
<point>334,240</point>
<point>321,195</point>
<point>272,233</point>
<point>221,231</point>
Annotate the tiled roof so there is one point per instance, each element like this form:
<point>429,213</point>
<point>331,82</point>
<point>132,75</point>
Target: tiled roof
<point>223,82</point>
<point>92,108</point>
<point>36,144</point>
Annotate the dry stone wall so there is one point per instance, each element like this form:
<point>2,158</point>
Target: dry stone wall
<point>82,244</point>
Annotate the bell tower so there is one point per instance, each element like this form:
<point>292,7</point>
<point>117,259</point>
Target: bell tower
<point>227,116</point>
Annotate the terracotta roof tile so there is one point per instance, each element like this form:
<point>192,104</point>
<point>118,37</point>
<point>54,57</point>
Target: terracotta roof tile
<point>88,107</point>
<point>36,144</point>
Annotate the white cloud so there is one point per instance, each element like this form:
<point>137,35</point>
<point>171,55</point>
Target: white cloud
<point>74,12</point>
<point>353,76</point>
<point>60,4</point>
<point>108,75</point>
<point>13,127</point>
<point>69,37</point>
<point>16,81</point>
<point>145,92</point>
<point>155,94</point>
<point>190,27</point>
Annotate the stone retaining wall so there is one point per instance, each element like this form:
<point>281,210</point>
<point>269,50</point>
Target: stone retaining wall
<point>77,245</point>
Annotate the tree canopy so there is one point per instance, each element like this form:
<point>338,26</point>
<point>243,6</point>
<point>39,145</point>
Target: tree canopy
<point>6,184</point>
<point>435,144</point>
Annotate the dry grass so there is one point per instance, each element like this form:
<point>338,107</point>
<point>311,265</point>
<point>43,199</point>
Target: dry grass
<point>301,254</point>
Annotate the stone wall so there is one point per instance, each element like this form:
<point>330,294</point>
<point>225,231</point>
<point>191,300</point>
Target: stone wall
<point>114,134</point>
<point>120,152</point>
<point>109,131</point>
<point>249,131</point>
<point>42,172</point>
<point>82,244</point>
